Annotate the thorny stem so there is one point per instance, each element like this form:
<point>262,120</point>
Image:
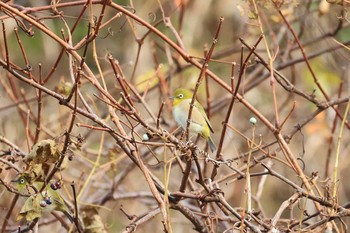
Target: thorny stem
<point>318,84</point>
<point>201,76</point>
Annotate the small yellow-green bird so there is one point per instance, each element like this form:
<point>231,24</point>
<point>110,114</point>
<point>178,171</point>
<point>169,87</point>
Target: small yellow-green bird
<point>199,121</point>
<point>38,203</point>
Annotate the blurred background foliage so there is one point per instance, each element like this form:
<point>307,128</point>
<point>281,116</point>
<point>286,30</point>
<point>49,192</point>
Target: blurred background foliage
<point>158,70</point>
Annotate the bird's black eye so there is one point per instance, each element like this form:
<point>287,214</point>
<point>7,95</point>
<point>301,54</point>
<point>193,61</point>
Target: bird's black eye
<point>21,181</point>
<point>180,96</point>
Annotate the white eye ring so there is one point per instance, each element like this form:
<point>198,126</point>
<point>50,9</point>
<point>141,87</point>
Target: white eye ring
<point>180,96</point>
<point>21,181</point>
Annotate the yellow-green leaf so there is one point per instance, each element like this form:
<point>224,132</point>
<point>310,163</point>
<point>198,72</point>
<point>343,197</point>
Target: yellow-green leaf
<point>64,88</point>
<point>31,209</point>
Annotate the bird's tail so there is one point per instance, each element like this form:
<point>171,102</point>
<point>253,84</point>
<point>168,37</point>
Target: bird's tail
<point>211,144</point>
<point>68,215</point>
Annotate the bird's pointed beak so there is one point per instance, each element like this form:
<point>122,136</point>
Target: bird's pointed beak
<point>14,181</point>
<point>172,97</point>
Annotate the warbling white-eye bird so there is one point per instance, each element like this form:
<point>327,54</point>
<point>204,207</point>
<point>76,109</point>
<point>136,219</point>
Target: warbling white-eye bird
<point>199,123</point>
<point>40,202</point>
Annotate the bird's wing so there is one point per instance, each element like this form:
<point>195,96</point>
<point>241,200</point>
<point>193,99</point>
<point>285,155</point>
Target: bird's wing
<point>201,109</point>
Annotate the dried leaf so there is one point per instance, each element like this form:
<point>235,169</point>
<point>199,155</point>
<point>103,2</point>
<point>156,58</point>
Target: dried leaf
<point>45,151</point>
<point>93,222</point>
